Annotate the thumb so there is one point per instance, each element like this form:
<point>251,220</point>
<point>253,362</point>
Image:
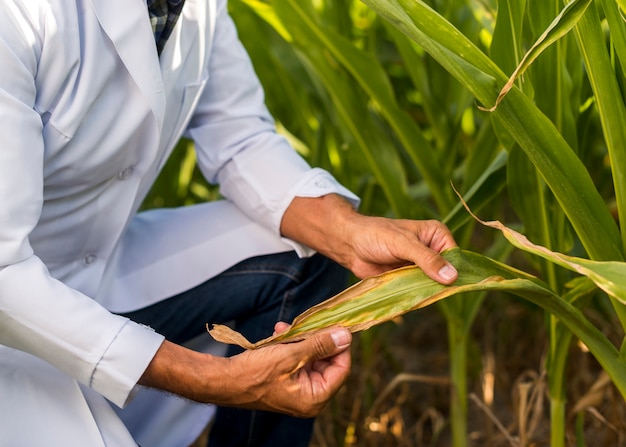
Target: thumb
<point>325,344</point>
<point>436,266</point>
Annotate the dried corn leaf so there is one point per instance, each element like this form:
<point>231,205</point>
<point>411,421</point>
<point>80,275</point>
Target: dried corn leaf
<point>559,27</point>
<point>609,276</point>
<point>381,298</point>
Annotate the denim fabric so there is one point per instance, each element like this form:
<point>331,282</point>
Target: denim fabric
<point>255,294</point>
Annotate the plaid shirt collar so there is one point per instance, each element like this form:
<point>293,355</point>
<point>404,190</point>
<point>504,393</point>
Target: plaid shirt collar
<point>163,17</point>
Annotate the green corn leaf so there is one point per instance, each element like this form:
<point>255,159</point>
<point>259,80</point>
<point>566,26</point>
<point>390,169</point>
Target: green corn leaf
<point>267,13</point>
<point>562,170</point>
<point>609,100</point>
<point>370,75</point>
<point>560,26</point>
<point>615,19</point>
<point>347,103</point>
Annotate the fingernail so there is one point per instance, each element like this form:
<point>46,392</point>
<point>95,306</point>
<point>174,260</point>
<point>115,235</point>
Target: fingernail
<point>341,338</point>
<point>447,272</point>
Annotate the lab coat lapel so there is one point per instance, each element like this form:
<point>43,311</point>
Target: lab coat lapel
<point>127,25</point>
<point>185,41</point>
<point>179,45</point>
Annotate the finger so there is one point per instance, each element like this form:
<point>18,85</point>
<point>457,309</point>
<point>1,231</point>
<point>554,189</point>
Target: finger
<point>436,266</point>
<point>338,360</point>
<point>338,364</point>
<point>441,237</point>
<point>331,376</point>
<point>433,237</point>
<point>281,326</point>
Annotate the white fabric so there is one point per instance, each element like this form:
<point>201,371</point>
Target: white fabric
<point>27,379</point>
<point>173,421</point>
<point>88,116</point>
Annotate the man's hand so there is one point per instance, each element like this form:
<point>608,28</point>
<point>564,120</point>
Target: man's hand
<point>369,245</point>
<point>381,244</point>
<point>296,378</point>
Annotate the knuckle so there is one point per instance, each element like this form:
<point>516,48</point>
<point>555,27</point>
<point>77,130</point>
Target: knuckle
<point>429,257</point>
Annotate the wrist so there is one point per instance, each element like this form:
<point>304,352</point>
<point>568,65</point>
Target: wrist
<point>323,223</point>
<point>193,375</point>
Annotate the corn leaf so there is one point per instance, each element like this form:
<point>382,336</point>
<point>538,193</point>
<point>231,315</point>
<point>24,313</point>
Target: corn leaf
<point>615,20</point>
<point>609,276</point>
<point>562,170</point>
<point>382,298</point>
<point>561,25</point>
<point>609,100</point>
<point>267,13</point>
<point>369,74</point>
<point>379,299</point>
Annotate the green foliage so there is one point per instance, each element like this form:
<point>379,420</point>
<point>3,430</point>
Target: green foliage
<point>391,108</point>
<point>388,95</point>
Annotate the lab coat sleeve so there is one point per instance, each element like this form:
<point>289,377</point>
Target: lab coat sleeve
<point>39,314</point>
<point>236,142</point>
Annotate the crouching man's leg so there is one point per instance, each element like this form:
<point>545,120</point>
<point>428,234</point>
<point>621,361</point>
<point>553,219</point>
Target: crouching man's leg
<point>255,294</point>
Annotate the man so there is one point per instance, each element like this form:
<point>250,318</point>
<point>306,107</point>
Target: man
<point>92,101</point>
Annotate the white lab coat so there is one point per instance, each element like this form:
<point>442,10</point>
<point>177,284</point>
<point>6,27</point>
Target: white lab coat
<point>88,116</point>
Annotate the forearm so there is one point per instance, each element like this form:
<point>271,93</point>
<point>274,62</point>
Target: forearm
<point>194,375</point>
<point>295,378</point>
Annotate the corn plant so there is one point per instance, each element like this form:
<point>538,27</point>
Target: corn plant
<point>543,130</point>
<point>553,95</point>
<point>517,103</point>
<point>353,120</point>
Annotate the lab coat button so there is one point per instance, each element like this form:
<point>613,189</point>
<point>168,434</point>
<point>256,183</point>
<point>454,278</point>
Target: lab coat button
<point>125,174</point>
<point>90,259</point>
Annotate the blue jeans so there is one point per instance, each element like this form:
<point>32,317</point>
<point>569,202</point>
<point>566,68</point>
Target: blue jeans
<point>255,294</point>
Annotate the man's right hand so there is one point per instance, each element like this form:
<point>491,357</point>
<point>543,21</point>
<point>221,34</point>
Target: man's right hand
<point>296,378</point>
